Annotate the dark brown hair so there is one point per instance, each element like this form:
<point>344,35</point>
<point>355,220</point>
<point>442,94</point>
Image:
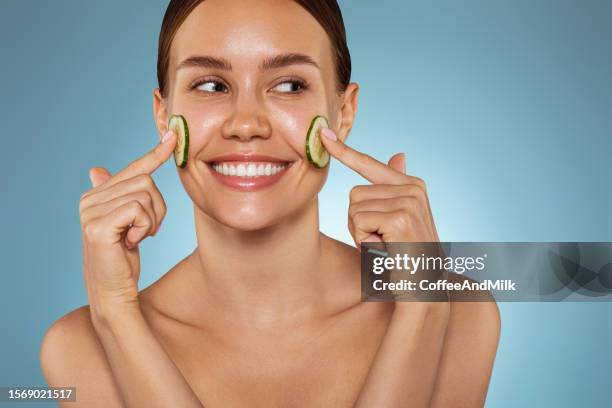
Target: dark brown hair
<point>326,12</point>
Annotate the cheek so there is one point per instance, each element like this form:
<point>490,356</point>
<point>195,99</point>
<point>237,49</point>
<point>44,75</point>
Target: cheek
<point>292,123</point>
<point>203,122</point>
<point>288,120</point>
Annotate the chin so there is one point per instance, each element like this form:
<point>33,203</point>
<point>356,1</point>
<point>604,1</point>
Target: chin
<point>248,218</point>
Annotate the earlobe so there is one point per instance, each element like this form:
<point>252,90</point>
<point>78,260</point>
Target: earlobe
<point>160,112</point>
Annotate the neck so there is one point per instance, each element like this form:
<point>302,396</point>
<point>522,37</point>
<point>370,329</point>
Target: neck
<point>269,275</point>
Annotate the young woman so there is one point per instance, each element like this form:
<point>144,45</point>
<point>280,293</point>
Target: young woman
<point>266,311</point>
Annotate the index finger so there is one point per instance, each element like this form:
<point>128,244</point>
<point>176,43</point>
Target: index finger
<point>147,163</point>
<point>364,164</point>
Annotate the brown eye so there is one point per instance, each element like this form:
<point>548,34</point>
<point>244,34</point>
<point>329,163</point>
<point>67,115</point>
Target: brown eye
<point>211,86</point>
<point>291,86</point>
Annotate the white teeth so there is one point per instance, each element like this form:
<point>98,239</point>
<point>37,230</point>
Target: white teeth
<point>251,170</point>
<point>254,169</point>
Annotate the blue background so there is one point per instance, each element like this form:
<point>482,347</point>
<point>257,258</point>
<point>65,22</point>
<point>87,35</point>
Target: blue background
<point>504,108</point>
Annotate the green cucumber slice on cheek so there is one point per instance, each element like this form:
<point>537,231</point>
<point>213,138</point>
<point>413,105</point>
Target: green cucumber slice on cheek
<point>178,124</point>
<point>316,153</point>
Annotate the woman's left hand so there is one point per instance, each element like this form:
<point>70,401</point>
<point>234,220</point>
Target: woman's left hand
<point>394,208</point>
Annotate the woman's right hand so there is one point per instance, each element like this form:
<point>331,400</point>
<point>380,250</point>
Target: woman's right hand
<point>116,214</point>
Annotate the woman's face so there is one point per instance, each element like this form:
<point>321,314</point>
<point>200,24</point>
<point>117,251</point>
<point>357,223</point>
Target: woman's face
<point>228,77</point>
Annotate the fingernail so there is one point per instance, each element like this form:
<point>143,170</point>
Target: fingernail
<point>328,133</point>
<point>166,136</point>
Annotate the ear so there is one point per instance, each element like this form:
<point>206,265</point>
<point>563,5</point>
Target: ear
<point>348,110</point>
<point>160,112</point>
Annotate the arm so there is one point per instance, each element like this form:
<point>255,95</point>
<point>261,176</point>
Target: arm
<point>469,352</point>
<point>116,215</point>
<point>71,356</point>
<point>416,367</point>
<point>404,370</point>
<point>436,354</point>
<point>117,363</point>
<point>134,354</point>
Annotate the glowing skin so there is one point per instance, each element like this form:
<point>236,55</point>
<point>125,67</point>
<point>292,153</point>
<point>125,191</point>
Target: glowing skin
<point>251,111</point>
<point>266,310</point>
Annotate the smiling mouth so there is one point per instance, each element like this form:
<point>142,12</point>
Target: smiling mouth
<point>248,174</point>
<point>249,169</point>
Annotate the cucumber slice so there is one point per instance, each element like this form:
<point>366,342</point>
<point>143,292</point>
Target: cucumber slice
<point>179,125</point>
<point>316,153</point>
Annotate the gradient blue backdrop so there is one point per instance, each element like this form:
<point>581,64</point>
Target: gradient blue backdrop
<point>504,108</point>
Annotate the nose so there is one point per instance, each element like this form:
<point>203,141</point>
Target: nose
<point>247,119</point>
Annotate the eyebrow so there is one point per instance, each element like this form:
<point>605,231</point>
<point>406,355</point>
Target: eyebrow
<point>277,61</point>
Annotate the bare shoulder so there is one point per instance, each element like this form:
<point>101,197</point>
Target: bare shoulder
<point>469,350</point>
<point>72,356</point>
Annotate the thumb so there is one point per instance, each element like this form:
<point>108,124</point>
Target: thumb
<point>98,175</point>
<point>373,238</point>
<point>398,162</point>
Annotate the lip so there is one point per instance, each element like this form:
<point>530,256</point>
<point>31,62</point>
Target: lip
<point>247,183</point>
